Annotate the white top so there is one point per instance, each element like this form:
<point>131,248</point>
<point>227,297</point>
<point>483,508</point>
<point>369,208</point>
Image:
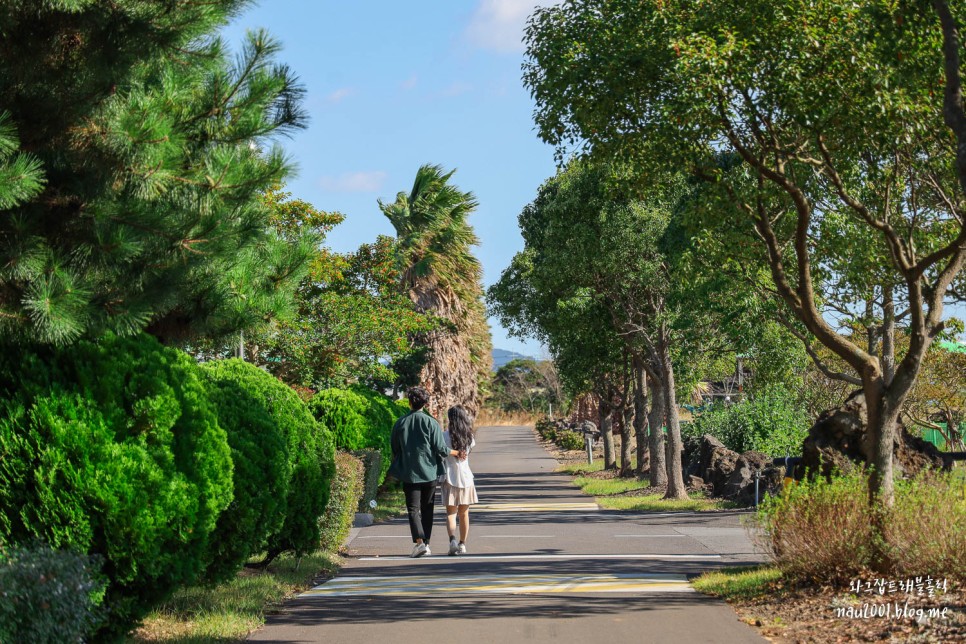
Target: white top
<point>458,473</point>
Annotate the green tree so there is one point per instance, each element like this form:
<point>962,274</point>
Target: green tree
<point>352,323</point>
<point>441,277</point>
<point>523,384</point>
<point>838,112</point>
<point>133,150</point>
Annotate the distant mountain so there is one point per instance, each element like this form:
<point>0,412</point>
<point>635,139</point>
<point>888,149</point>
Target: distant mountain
<point>502,356</point>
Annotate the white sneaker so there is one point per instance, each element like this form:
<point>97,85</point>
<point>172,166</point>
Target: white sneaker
<point>461,549</point>
<point>453,548</point>
<point>419,550</point>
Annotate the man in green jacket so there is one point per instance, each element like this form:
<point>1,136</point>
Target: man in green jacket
<point>418,450</point>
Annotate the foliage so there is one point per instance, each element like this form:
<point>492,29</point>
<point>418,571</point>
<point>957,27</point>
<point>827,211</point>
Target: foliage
<point>353,324</point>
<point>822,129</point>
<point>936,506</point>
<point>311,449</point>
<point>372,463</point>
<point>770,421</point>
<point>344,496</point>
<point>570,440</point>
<point>441,276</point>
<point>823,531</point>
<point>137,149</point>
<point>523,384</point>
<point>111,449</point>
<point>49,596</point>
<point>262,463</point>
<point>820,530</point>
<point>358,418</point>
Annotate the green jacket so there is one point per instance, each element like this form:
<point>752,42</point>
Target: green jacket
<point>418,448</point>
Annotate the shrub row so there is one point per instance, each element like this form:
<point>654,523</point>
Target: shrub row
<point>359,418</point>
<point>772,422</point>
<point>824,530</point>
<point>560,432</point>
<point>166,471</point>
<point>346,490</point>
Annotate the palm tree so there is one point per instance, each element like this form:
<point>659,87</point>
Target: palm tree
<point>442,277</point>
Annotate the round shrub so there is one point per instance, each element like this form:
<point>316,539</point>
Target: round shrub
<point>819,530</point>
<point>344,497</point>
<point>260,453</point>
<point>312,461</point>
<point>772,422</point>
<point>570,440</point>
<point>47,595</point>
<point>359,418</point>
<point>111,449</point>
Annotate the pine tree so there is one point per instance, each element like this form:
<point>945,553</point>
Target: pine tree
<point>133,150</point>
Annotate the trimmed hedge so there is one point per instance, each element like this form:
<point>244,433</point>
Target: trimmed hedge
<point>263,464</point>
<point>48,595</point>
<point>312,454</point>
<point>359,418</point>
<point>344,497</point>
<point>372,464</point>
<point>110,448</point>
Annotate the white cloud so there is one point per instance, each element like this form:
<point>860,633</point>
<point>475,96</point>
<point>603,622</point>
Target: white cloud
<point>498,24</point>
<point>354,182</point>
<point>456,89</point>
<point>340,95</point>
<point>409,83</point>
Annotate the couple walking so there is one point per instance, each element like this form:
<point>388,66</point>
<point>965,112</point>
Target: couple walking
<point>423,455</point>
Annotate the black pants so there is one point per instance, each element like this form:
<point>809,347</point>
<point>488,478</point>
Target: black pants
<point>420,502</point>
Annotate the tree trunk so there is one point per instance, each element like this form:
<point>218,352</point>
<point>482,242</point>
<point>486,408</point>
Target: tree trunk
<point>607,433</point>
<point>888,335</point>
<point>880,438</point>
<point>675,470</point>
<point>640,417</point>
<point>627,419</point>
<point>655,443</point>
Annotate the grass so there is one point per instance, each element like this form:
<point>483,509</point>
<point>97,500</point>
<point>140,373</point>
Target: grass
<point>657,503</point>
<point>230,611</point>
<point>606,491</point>
<point>738,583</point>
<point>581,468</point>
<point>607,487</point>
<point>390,502</point>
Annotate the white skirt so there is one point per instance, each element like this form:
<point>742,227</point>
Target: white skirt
<point>458,495</point>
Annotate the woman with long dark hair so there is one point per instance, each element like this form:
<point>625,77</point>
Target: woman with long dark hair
<point>458,490</point>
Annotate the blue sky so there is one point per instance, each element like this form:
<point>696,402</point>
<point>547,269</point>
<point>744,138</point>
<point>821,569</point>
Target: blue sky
<point>393,85</point>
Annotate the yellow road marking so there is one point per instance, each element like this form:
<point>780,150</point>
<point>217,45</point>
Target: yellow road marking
<point>535,507</point>
<point>500,584</point>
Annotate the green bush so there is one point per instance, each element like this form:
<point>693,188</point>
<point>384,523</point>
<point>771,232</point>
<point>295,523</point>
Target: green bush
<point>372,464</point>
<point>110,448</point>
<point>344,498</point>
<point>772,422</point>
<point>570,440</point>
<point>819,530</point>
<point>48,596</point>
<point>260,453</point>
<point>358,418</point>
<point>925,528</point>
<point>312,453</point>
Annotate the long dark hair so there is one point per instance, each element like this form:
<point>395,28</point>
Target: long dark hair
<point>460,428</point>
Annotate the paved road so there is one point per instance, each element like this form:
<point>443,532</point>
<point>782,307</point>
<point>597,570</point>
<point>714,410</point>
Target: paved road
<point>544,565</point>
